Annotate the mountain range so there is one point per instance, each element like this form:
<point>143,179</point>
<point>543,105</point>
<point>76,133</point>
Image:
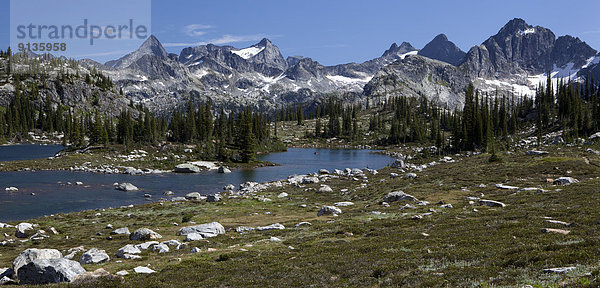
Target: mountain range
<point>513,61</point>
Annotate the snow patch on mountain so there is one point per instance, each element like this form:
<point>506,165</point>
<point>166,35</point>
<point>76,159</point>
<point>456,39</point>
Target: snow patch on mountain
<point>489,85</point>
<point>402,56</point>
<point>249,52</point>
<point>527,31</point>
<point>347,80</point>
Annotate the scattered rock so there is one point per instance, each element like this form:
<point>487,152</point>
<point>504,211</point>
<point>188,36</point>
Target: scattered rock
<point>213,198</point>
<point>44,271</point>
<point>329,210</point>
<point>146,245</point>
<point>143,270</point>
<point>303,224</point>
<point>275,226</point>
<point>24,230</point>
<point>399,196</point>
<point>343,204</point>
<point>120,231</point>
<point>275,239</point>
<point>558,222</point>
<point>32,254</point>
<point>206,230</point>
<point>282,195</point>
<point>394,175</point>
<point>6,272</point>
<point>325,189</point>
<point>11,189</point>
<point>229,187</point>
<point>193,237</point>
<point>310,180</point>
<point>91,277</point>
<point>399,163</point>
<point>323,171</point>
<point>122,273</point>
<point>186,168</point>
<point>223,170</point>
<point>128,250</point>
<point>194,196</point>
<point>410,176</point>
<point>557,231</point>
<point>171,243</point>
<point>196,250</point>
<point>167,193</point>
<point>446,206</point>
<point>559,270</point>
<point>94,256</point>
<point>143,234</point>
<point>5,280</point>
<point>506,187</point>
<point>160,248</point>
<point>126,187</point>
<point>565,181</point>
<point>491,203</point>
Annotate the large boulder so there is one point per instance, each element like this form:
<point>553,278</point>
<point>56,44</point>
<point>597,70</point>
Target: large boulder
<point>32,254</point>
<point>94,256</point>
<point>24,230</point>
<point>186,168</point>
<point>206,230</point>
<point>144,234</point>
<point>325,189</point>
<point>44,271</point>
<point>399,196</point>
<point>126,187</point>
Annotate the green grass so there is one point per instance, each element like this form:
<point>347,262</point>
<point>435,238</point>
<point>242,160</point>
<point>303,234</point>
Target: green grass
<point>465,246</point>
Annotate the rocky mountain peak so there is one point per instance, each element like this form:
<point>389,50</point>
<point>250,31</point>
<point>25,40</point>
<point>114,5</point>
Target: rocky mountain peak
<point>395,51</point>
<point>151,47</point>
<point>154,47</point>
<point>440,48</point>
<point>514,26</point>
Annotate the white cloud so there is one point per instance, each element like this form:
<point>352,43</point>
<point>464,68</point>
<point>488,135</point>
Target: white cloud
<point>225,39</point>
<point>195,30</point>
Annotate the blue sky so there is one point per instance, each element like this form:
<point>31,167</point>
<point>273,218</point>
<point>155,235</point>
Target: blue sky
<point>337,31</point>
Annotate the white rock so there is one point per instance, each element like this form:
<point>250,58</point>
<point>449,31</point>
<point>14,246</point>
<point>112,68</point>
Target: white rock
<point>329,210</point>
<point>143,270</point>
<point>206,230</point>
<point>126,187</point>
<point>128,249</point>
<point>506,187</point>
<point>343,204</point>
<point>160,248</point>
<point>275,226</point>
